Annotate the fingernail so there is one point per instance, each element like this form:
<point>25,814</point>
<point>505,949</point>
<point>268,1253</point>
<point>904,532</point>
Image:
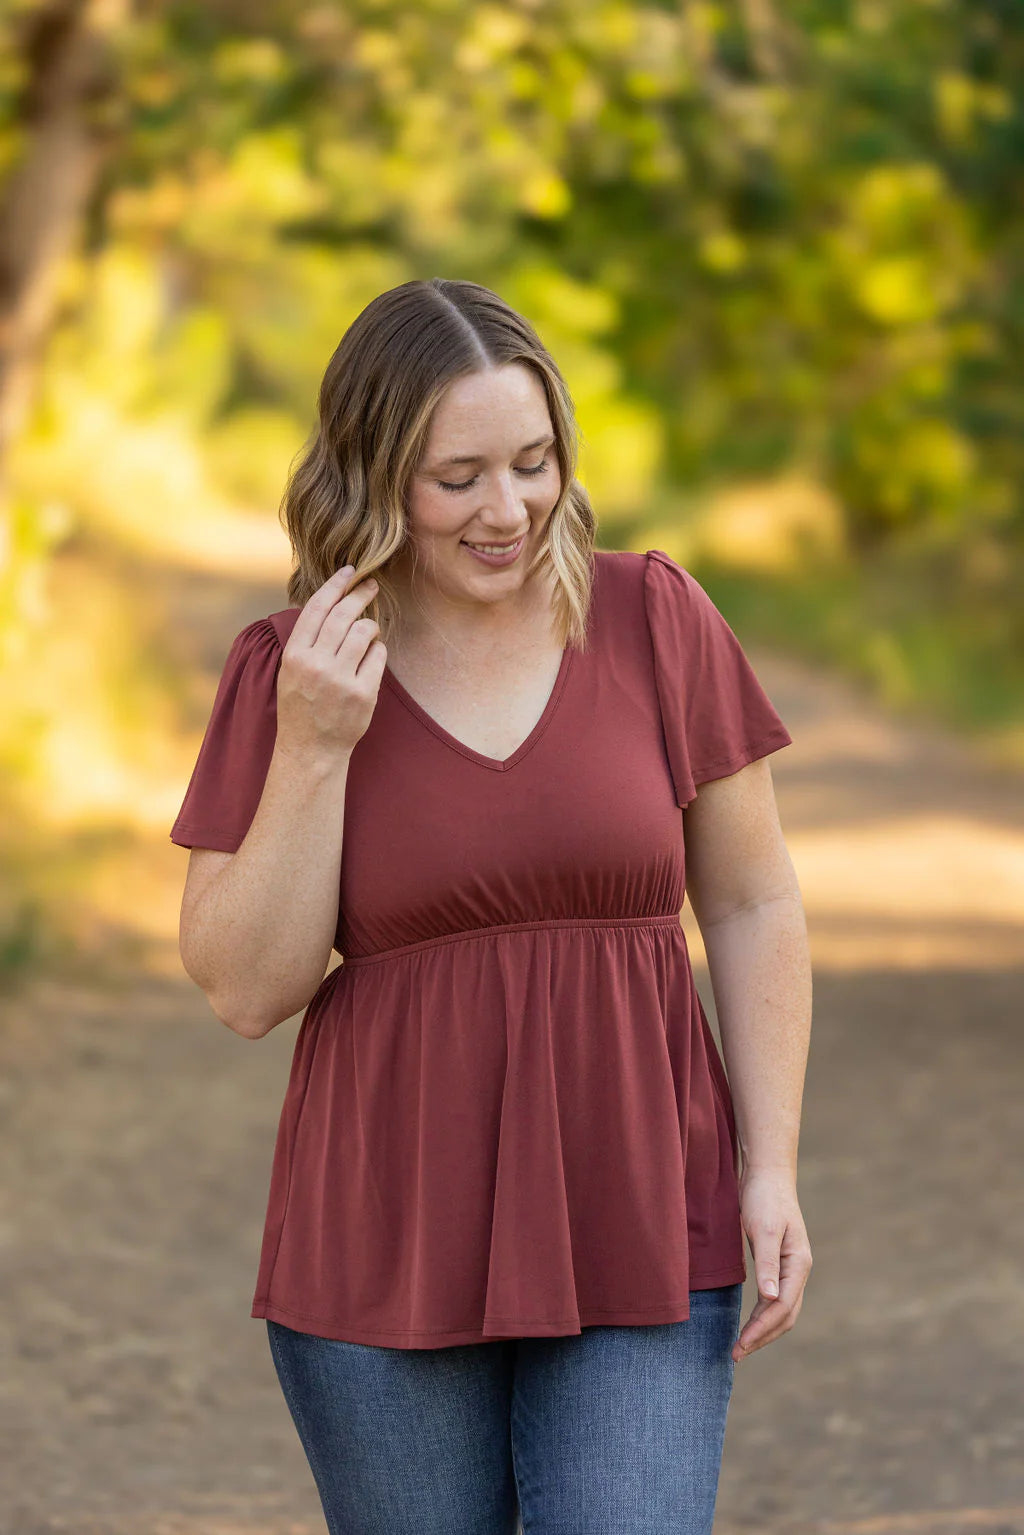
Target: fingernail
<point>346,570</point>
<point>770,1287</point>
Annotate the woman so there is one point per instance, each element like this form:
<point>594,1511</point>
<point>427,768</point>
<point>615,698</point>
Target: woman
<point>503,1259</point>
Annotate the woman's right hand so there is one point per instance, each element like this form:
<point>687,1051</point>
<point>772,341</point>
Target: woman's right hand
<point>331,669</point>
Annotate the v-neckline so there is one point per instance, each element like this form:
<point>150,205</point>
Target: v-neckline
<point>497,765</point>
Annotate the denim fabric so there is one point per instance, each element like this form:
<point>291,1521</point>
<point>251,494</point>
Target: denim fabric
<point>613,1431</point>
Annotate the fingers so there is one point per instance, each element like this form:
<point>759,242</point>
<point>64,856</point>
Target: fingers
<point>306,630</point>
<point>331,669</point>
<point>360,639</point>
<point>371,668</point>
<point>774,1315</point>
<point>346,621</point>
<point>768,1274</point>
<point>769,1319</point>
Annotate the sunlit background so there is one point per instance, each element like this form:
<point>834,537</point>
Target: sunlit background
<point>776,250</point>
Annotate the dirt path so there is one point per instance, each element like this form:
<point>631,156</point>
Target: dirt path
<point>137,1396</point>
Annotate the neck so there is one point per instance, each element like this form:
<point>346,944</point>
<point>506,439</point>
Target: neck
<point>431,623</point>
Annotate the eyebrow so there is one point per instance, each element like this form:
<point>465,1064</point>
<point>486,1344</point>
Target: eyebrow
<point>474,458</point>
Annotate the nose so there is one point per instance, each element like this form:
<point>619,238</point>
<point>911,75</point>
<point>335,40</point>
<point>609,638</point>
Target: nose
<point>501,515</point>
<point>508,510</point>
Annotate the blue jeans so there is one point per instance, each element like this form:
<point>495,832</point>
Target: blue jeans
<point>612,1431</point>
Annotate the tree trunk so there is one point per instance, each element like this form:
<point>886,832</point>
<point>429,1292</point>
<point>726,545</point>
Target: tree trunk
<point>64,117</point>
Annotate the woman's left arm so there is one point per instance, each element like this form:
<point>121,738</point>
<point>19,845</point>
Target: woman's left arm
<point>746,899</point>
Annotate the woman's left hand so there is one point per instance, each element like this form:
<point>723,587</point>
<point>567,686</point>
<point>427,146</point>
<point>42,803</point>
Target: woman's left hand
<point>778,1240</point>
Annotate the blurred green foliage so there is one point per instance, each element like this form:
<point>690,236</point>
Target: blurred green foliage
<point>762,240</point>
<point>754,234</point>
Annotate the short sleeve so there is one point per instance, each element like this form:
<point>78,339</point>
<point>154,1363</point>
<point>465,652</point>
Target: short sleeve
<point>227,781</point>
<point>716,715</point>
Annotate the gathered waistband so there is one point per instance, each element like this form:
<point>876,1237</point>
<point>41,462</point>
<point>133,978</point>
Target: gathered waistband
<point>664,919</point>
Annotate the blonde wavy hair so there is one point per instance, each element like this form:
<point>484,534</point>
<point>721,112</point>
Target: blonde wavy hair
<point>345,502</point>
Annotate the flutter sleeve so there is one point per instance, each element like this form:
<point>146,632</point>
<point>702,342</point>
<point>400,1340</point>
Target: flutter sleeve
<point>227,781</point>
<point>716,715</point>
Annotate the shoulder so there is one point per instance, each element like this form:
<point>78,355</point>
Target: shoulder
<point>641,564</point>
<point>265,637</point>
<point>283,623</point>
<point>673,593</point>
<point>254,657</point>
<point>661,581</point>
<point>620,567</point>
<point>661,571</point>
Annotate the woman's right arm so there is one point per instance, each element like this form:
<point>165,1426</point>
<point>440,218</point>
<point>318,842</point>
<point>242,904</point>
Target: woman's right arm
<point>257,925</point>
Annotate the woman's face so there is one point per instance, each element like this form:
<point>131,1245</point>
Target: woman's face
<point>489,476</point>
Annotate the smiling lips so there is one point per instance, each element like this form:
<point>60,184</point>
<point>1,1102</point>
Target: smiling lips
<point>497,555</point>
<point>494,548</point>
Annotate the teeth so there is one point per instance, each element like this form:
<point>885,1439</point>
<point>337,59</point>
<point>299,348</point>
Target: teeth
<point>492,548</point>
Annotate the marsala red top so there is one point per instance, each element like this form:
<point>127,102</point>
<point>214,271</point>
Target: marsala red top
<point>506,1114</point>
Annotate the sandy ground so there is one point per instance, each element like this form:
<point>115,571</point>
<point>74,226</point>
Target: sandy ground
<point>137,1396</point>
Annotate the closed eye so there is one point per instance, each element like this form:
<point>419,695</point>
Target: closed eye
<point>465,484</point>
